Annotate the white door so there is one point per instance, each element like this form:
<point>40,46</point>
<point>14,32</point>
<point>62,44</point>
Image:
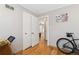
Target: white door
<point>26,30</point>
<point>35,31</point>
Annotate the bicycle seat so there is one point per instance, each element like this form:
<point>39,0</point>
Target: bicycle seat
<point>69,34</point>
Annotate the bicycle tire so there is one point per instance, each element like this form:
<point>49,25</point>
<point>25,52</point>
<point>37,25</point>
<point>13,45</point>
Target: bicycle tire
<point>61,49</point>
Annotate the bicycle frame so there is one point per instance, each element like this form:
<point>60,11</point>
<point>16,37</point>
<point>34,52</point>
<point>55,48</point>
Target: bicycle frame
<point>67,46</point>
<point>73,41</point>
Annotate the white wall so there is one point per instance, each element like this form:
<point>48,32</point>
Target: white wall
<point>47,30</point>
<point>57,30</point>
<point>11,24</point>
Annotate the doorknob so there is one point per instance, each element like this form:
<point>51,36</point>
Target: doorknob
<point>32,32</point>
<point>25,33</point>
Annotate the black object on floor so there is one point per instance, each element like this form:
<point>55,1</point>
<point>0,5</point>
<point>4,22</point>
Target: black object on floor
<point>11,38</point>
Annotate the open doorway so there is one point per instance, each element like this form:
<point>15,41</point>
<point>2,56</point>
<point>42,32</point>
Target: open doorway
<point>44,28</point>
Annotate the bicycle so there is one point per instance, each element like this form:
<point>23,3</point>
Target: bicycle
<point>68,46</point>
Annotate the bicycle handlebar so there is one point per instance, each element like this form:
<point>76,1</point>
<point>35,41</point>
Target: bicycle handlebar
<point>69,33</point>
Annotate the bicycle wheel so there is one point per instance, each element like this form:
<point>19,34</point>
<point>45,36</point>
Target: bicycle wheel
<point>65,46</point>
<point>77,43</point>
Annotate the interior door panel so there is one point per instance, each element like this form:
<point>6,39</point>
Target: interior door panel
<point>26,30</point>
<point>35,31</point>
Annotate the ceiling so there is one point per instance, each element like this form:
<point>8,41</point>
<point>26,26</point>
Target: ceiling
<point>40,9</point>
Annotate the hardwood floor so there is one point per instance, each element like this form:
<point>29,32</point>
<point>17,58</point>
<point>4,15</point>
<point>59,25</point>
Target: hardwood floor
<point>41,49</point>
